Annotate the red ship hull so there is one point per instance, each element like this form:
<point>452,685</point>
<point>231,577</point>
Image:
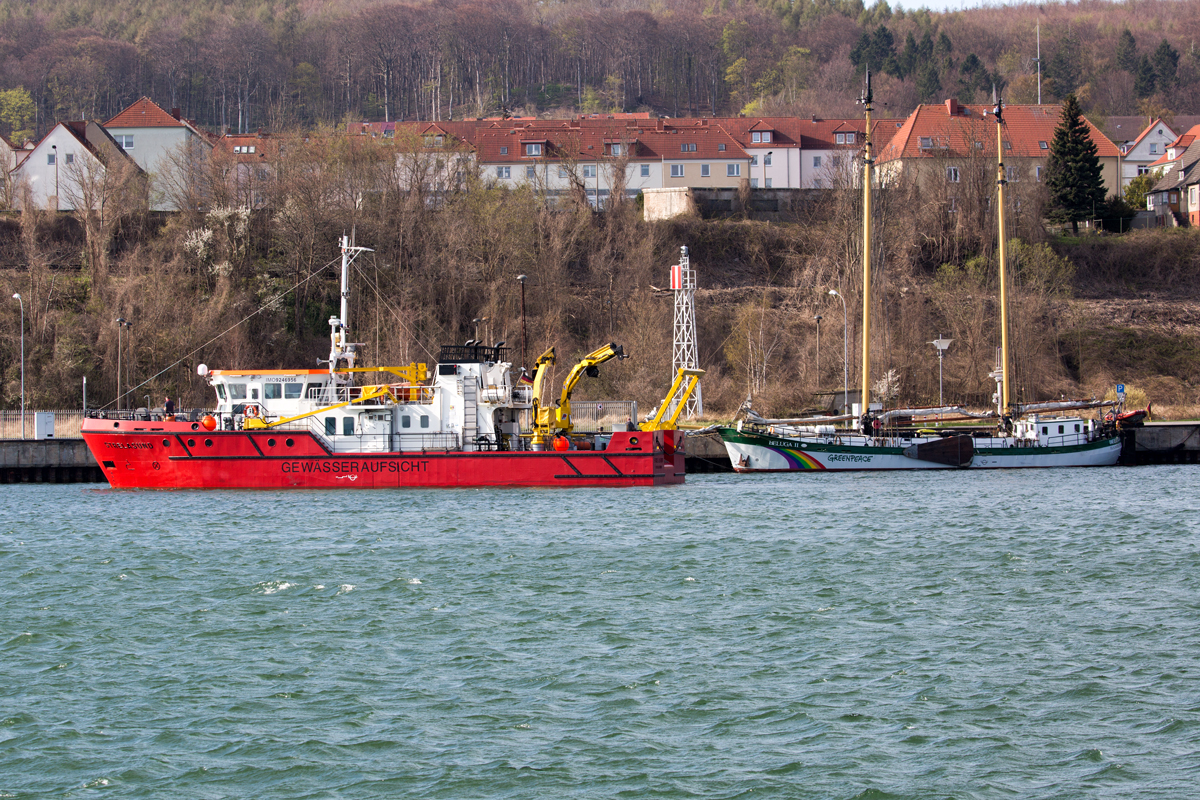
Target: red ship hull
<point>136,454</point>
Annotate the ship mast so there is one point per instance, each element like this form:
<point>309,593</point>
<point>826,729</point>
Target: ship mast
<point>1005,398</point>
<point>339,349</point>
<point>867,164</point>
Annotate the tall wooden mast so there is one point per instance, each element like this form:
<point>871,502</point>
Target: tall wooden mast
<point>866,327</point>
<point>1001,182</point>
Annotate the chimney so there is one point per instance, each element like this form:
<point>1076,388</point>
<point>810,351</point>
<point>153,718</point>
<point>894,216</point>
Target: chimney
<point>175,113</point>
<point>952,106</point>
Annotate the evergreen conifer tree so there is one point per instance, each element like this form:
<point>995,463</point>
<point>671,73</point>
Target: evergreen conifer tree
<point>1073,174</point>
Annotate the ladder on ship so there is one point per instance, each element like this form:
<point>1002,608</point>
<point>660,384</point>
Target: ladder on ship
<point>470,429</point>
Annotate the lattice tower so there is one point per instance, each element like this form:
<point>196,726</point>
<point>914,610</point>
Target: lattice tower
<point>683,282</point>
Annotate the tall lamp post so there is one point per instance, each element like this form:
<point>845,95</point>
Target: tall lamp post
<point>845,352</point>
<point>121,323</point>
<point>57,204</point>
<point>818,319</point>
<point>521,279</point>
<point>766,162</point>
<point>18,298</point>
<point>941,345</point>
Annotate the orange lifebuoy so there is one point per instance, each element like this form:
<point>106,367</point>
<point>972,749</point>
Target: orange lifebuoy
<point>251,411</point>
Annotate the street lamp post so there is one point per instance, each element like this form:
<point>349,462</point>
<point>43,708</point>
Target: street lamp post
<point>818,319</point>
<point>57,204</point>
<point>20,300</point>
<point>521,280</point>
<point>766,161</point>
<point>845,352</point>
<point>941,345</point>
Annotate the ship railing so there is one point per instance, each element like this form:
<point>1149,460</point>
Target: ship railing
<point>138,415</point>
<point>522,395</point>
<point>333,395</point>
<point>603,415</point>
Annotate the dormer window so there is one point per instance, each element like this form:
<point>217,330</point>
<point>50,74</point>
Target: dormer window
<point>925,142</point>
<point>615,149</point>
<point>760,137</point>
<point>533,149</point>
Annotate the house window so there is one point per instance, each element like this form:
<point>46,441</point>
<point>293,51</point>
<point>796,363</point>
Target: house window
<point>677,170</point>
<point>1008,145</point>
<point>733,170</point>
<point>817,184</point>
<point>979,145</point>
<point>755,137</point>
<point>952,174</point>
<point>503,172</point>
<point>952,205</point>
<point>1173,198</point>
<point>1143,169</point>
<point>533,149</point>
<point>645,170</point>
<point>1043,146</point>
<point>1153,149</point>
<point>50,159</point>
<point>841,138</point>
<point>704,170</point>
<point>767,160</point>
<point>589,170</point>
<point>1039,174</point>
<point>1012,173</point>
<point>562,172</point>
<point>70,158</point>
<point>816,162</point>
<point>754,183</point>
<point>754,161</point>
<point>768,183</point>
<point>688,147</point>
<point>503,151</point>
<point>720,148</point>
<point>849,138</point>
<point>766,137</point>
<point>530,172</point>
<point>615,149</point>
<point>124,141</point>
<point>925,142</point>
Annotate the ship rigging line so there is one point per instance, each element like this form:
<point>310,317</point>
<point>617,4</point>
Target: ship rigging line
<point>269,303</point>
<point>394,311</point>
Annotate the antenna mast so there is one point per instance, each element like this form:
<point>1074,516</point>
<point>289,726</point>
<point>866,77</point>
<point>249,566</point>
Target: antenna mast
<point>1001,182</point>
<point>683,282</point>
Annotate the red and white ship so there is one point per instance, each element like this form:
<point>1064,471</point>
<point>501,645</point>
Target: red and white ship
<point>473,423</point>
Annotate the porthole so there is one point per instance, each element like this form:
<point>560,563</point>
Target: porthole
<point>166,442</point>
<point>270,442</point>
<point>195,426</point>
<point>191,442</point>
<point>289,442</point>
<point>633,440</point>
<point>208,442</point>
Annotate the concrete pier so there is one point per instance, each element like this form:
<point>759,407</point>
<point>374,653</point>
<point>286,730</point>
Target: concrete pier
<point>707,453</point>
<point>47,461</point>
<point>1161,443</point>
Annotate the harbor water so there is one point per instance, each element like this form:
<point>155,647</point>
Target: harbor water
<point>909,635</point>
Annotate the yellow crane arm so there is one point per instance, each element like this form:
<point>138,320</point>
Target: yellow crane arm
<point>587,365</point>
<point>692,376</point>
<point>369,393</point>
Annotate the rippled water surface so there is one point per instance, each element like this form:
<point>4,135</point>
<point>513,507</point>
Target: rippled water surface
<point>921,635</point>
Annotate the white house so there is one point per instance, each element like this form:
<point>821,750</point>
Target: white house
<point>151,136</point>
<point>1150,145</point>
<point>53,174</point>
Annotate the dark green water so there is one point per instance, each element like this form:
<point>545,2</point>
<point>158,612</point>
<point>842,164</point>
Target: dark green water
<point>939,635</point>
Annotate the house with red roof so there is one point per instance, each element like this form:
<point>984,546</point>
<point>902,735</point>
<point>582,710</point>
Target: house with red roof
<point>68,167</point>
<point>1175,198</point>
<point>949,149</point>
<point>1139,154</point>
<point>159,141</point>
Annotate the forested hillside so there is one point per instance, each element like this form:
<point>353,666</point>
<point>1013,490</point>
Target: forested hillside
<point>257,64</point>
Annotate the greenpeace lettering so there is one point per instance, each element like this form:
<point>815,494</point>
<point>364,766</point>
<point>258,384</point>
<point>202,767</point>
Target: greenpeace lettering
<point>353,467</point>
<point>846,457</point>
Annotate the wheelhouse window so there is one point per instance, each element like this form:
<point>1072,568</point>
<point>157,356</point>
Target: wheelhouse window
<point>347,426</point>
<point>291,391</point>
<point>424,421</point>
<point>406,421</point>
<point>273,391</point>
<point>237,391</point>
<point>331,426</point>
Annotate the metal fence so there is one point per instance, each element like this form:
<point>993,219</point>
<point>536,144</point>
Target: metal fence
<point>606,415</point>
<point>66,424</point>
